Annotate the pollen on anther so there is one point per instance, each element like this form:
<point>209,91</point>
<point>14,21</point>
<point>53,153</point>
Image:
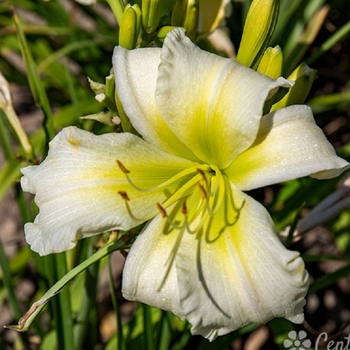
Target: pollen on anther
<point>122,167</point>
<point>162,211</point>
<point>124,195</point>
<point>184,207</point>
<point>202,173</point>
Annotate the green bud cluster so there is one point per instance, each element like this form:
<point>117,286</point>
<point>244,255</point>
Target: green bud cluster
<point>147,22</point>
<point>254,52</point>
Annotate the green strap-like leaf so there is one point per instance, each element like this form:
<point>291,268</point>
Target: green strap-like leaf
<point>25,322</point>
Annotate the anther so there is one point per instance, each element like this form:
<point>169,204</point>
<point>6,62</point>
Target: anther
<point>124,195</point>
<point>184,207</point>
<point>204,178</point>
<point>122,167</point>
<point>162,211</point>
<point>204,192</point>
<point>202,173</point>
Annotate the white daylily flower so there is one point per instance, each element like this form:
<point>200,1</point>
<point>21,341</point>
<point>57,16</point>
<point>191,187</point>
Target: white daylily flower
<point>209,252</point>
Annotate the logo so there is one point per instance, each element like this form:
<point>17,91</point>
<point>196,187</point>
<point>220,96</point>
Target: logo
<point>297,341</point>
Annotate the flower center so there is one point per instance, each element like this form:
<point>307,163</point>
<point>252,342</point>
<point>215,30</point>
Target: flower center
<point>200,203</point>
<point>192,195</point>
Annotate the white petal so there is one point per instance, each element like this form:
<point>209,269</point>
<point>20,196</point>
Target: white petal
<point>222,278</point>
<point>240,275</point>
<point>77,186</point>
<point>136,74</point>
<point>146,267</point>
<point>213,104</point>
<point>289,145</point>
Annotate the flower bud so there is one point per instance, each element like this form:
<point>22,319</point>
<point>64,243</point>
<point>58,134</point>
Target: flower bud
<point>164,31</point>
<point>303,76</point>
<point>179,13</point>
<point>271,62</point>
<point>102,117</point>
<point>191,19</point>
<point>258,29</point>
<point>186,15</point>
<point>130,27</point>
<point>96,87</point>
<point>151,12</point>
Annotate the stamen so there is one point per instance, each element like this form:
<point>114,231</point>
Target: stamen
<point>122,167</point>
<point>124,195</point>
<point>195,216</point>
<point>218,192</point>
<point>184,207</point>
<point>235,208</point>
<point>181,192</point>
<point>211,185</point>
<point>178,176</point>
<point>202,173</point>
<point>204,193</point>
<point>126,198</point>
<point>172,223</point>
<point>162,211</point>
<point>204,178</point>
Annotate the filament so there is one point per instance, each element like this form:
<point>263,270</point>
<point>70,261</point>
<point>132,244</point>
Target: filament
<point>207,185</point>
<point>178,176</point>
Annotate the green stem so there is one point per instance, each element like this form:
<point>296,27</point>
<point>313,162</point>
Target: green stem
<point>7,279</point>
<point>88,305</point>
<point>164,336</point>
<point>148,327</point>
<point>117,7</point>
<point>120,341</point>
<point>25,322</point>
<point>65,309</point>
<point>49,263</point>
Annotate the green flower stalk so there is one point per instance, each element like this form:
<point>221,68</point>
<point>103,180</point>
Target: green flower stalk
<point>258,29</point>
<point>117,7</point>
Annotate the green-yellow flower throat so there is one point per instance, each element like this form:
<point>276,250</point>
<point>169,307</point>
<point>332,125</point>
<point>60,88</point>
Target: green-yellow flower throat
<point>199,194</point>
